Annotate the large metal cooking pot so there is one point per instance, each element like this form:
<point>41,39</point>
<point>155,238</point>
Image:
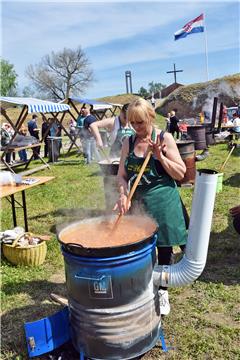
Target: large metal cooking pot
<point>77,249</point>
<point>109,167</point>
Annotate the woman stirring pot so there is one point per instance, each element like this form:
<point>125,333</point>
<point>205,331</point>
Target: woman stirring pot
<point>157,191</point>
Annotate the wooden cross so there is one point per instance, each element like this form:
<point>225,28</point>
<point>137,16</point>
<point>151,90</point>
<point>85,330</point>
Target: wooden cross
<point>174,71</point>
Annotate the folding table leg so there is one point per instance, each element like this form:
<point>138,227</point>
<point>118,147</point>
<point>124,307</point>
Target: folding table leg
<point>24,210</point>
<point>13,210</point>
<point>40,157</point>
<point>28,162</point>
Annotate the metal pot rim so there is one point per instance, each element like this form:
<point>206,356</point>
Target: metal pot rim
<point>102,251</point>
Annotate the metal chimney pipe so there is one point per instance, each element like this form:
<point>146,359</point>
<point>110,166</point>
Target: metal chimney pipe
<point>214,112</point>
<point>220,119</point>
<point>193,262</point>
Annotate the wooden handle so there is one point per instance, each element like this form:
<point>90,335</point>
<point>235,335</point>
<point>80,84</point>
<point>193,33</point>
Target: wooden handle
<point>223,165</point>
<point>132,191</point>
<point>60,299</point>
<point>136,182</point>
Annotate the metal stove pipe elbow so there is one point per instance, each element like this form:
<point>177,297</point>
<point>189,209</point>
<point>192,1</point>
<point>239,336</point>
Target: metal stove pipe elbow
<point>193,262</point>
<point>180,274</point>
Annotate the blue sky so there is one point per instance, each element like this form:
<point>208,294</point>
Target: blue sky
<point>119,36</point>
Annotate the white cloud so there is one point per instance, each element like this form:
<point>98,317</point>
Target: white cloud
<point>112,33</point>
<point>87,24</point>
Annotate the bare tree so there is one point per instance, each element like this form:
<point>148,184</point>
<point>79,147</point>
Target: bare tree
<point>61,74</point>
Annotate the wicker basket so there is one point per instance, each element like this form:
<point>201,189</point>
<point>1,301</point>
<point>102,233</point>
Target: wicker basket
<point>30,256</point>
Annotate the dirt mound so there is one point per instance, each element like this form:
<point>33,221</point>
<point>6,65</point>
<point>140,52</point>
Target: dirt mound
<point>191,99</point>
<point>119,99</point>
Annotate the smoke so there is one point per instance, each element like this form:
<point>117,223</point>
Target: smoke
<point>222,91</point>
<point>190,100</point>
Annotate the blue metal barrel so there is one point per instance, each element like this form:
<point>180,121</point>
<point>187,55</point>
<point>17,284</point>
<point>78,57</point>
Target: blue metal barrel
<point>109,282</point>
<point>113,304</point>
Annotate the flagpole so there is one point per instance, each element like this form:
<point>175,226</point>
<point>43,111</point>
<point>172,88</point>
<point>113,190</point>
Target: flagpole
<point>206,47</point>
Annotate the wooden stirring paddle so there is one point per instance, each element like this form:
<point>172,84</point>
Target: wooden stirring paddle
<point>132,191</point>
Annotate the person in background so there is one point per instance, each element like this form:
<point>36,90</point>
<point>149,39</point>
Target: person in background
<point>34,131</point>
<point>23,153</point>
<point>72,127</point>
<point>201,117</point>
<point>56,131</point>
<point>80,132</point>
<point>157,191</point>
<point>167,119</point>
<point>45,133</point>
<point>236,123</point>
<point>225,115</point>
<point>235,213</point>
<point>119,128</point>
<point>183,129</point>
<point>6,136</point>
<point>11,132</point>
<point>174,124</point>
<point>153,101</point>
<point>89,142</point>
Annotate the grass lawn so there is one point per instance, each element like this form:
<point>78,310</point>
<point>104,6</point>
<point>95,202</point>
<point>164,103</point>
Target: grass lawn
<point>204,318</point>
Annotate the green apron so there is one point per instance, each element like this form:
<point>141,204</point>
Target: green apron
<point>157,193</point>
<point>117,145</point>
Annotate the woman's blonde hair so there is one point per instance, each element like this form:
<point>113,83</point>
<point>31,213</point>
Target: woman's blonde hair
<point>142,110</point>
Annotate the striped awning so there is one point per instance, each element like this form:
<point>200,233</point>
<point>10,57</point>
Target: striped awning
<point>34,105</point>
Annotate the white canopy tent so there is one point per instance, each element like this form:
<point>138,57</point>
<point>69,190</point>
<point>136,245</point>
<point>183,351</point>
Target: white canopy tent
<point>28,106</point>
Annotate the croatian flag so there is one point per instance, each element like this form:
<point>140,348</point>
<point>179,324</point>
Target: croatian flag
<point>192,27</point>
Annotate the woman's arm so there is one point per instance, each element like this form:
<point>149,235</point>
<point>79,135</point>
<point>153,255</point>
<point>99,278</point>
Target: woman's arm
<point>95,126</point>
<point>168,155</point>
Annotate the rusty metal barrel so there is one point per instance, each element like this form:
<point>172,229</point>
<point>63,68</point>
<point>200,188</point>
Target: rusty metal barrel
<point>209,134</point>
<point>198,134</point>
<point>186,149</point>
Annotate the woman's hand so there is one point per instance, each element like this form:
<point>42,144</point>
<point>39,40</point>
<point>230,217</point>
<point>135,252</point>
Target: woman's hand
<point>99,144</point>
<point>122,205</point>
<point>167,153</point>
<point>157,147</point>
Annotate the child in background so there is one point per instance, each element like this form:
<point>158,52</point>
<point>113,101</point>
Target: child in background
<point>183,129</point>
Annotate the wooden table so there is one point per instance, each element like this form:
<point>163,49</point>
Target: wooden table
<point>9,191</point>
<point>34,148</point>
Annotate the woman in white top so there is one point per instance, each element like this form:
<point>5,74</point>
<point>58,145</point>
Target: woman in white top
<point>119,128</point>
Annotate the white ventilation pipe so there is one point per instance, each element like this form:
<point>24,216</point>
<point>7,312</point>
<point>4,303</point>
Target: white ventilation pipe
<point>193,262</point>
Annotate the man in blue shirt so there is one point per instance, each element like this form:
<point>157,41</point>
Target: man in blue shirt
<point>33,128</point>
